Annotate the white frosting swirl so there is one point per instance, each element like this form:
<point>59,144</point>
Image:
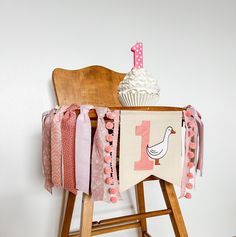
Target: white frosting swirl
<point>139,81</point>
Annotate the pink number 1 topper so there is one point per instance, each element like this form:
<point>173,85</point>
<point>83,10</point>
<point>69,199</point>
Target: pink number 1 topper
<point>138,55</point>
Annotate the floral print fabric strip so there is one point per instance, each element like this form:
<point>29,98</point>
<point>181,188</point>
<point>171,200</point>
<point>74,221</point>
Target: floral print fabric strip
<point>56,147</point>
<point>46,148</point>
<point>99,156</point>
<point>104,182</point>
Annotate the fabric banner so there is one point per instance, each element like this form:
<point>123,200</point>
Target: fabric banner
<point>150,144</point>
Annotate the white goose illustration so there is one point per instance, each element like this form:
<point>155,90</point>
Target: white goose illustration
<point>159,150</point>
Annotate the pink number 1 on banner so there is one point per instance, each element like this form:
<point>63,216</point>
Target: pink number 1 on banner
<point>144,163</point>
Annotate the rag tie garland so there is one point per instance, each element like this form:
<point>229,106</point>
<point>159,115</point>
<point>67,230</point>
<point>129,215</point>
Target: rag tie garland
<point>67,149</point>
<point>83,149</point>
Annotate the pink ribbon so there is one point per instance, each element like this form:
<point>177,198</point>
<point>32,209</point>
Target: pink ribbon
<point>68,125</point>
<point>46,148</point>
<point>98,156</point>
<point>194,130</point>
<point>201,142</point>
<point>56,147</point>
<point>83,149</point>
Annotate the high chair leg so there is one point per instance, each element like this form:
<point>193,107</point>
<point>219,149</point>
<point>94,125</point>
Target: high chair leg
<point>173,204</point>
<point>86,216</point>
<point>141,206</point>
<point>67,216</point>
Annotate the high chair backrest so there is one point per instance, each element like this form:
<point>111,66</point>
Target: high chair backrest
<point>94,85</point>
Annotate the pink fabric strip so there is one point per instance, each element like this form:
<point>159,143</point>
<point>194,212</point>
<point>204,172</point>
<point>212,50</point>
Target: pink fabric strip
<point>68,125</point>
<point>83,149</point>
<point>186,169</point>
<point>193,147</point>
<point>104,182</point>
<point>201,142</point>
<point>46,148</point>
<point>56,147</point>
<point>98,155</point>
<point>108,196</point>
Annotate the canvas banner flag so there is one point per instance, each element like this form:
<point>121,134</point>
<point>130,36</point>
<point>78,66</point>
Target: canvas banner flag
<point>150,144</point>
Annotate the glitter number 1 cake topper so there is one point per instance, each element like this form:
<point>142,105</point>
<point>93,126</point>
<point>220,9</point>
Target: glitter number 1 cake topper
<point>138,55</point>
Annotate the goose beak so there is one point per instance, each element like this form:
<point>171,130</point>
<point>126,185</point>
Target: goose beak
<point>173,131</point>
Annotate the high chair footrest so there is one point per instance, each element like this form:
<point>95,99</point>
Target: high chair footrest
<point>122,223</point>
<point>108,229</point>
<point>134,217</point>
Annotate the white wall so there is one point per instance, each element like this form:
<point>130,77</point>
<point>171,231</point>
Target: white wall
<point>189,46</point>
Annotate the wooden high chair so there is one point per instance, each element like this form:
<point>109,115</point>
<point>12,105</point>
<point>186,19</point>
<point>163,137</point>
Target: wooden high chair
<point>98,85</point>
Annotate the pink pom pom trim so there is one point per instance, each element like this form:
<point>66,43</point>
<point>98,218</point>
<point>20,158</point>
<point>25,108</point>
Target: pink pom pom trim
<point>192,145</point>
<point>109,138</point>
<point>190,175</point>
<point>107,170</point>
<point>190,165</point>
<point>190,154</point>
<point>111,115</point>
<point>109,125</point>
<point>109,181</point>
<point>112,190</point>
<point>113,199</point>
<point>107,159</point>
<point>189,186</point>
<point>188,195</point>
<point>108,149</point>
<point>188,113</point>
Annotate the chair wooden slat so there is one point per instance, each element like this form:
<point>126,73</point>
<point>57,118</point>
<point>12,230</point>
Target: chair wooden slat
<point>91,85</point>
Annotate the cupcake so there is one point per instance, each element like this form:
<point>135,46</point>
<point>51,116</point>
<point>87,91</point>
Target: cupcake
<point>138,89</point>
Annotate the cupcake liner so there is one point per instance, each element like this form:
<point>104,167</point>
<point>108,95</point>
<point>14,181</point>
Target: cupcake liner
<point>136,99</point>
